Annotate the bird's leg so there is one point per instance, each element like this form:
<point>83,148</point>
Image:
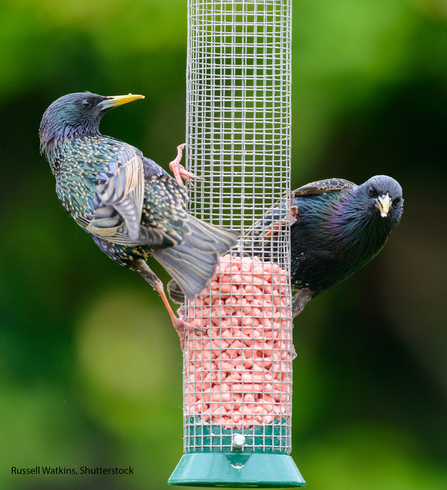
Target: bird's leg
<point>299,301</point>
<point>179,324</point>
<point>178,169</point>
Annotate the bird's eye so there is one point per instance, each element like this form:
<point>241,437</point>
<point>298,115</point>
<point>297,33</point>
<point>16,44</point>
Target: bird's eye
<point>86,103</point>
<point>371,191</point>
<point>396,202</point>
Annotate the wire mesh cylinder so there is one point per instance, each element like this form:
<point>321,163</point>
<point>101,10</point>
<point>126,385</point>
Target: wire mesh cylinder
<point>238,375</point>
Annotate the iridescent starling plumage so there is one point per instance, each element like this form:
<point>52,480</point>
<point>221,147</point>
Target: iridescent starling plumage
<point>130,206</point>
<point>337,228</point>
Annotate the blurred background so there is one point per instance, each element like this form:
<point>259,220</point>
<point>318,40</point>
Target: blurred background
<point>90,366</point>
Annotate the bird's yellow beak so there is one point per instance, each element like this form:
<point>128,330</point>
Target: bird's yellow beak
<point>117,100</point>
<point>383,204</point>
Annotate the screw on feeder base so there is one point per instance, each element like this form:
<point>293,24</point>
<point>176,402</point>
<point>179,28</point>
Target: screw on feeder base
<point>238,441</point>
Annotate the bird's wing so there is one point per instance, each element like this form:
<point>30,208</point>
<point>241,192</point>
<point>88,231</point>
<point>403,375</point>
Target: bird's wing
<point>121,196</point>
<point>259,238</point>
<point>276,216</point>
<point>142,196</point>
<point>324,186</point>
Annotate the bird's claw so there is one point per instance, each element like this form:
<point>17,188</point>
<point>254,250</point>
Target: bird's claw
<point>180,326</point>
<point>180,173</point>
<point>278,224</point>
<point>275,227</point>
<point>179,170</point>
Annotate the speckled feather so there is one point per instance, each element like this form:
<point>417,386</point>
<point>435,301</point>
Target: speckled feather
<point>83,163</point>
<point>130,206</point>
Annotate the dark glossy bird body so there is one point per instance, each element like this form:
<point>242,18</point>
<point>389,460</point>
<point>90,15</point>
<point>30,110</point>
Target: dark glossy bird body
<point>339,231</point>
<point>338,227</point>
<point>130,206</point>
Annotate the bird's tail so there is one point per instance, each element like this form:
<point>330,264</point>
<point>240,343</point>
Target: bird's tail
<point>193,262</point>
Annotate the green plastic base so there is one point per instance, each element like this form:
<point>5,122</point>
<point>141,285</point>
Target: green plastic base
<point>237,470</point>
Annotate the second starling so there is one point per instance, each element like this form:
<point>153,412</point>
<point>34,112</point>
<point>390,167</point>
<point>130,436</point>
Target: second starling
<point>336,228</point>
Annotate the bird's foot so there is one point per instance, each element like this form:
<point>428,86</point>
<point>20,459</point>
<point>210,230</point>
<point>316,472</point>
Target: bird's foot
<point>278,224</point>
<point>181,326</point>
<point>275,227</point>
<point>179,170</point>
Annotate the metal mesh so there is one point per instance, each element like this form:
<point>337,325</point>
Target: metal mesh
<point>238,376</point>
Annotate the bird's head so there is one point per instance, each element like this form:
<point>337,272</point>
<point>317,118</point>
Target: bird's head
<point>76,114</point>
<point>384,197</point>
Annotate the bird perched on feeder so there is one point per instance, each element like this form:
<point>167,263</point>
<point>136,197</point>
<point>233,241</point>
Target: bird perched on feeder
<point>337,227</point>
<point>130,206</point>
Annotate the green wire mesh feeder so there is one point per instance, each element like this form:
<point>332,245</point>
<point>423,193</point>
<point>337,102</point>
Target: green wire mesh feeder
<point>237,377</point>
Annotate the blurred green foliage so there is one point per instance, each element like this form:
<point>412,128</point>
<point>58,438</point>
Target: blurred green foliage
<point>90,365</point>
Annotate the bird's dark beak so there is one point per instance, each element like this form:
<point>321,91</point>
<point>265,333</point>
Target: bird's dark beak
<point>117,100</point>
<point>383,204</point>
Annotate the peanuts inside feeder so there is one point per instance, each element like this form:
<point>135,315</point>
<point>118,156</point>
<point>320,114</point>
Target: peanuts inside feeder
<point>237,375</point>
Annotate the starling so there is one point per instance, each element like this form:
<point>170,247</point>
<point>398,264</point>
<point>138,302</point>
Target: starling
<point>336,228</point>
<point>130,206</point>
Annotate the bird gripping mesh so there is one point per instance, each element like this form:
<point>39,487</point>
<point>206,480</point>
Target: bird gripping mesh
<point>237,377</point>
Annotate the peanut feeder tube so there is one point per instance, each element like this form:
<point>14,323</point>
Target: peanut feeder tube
<point>237,377</point>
